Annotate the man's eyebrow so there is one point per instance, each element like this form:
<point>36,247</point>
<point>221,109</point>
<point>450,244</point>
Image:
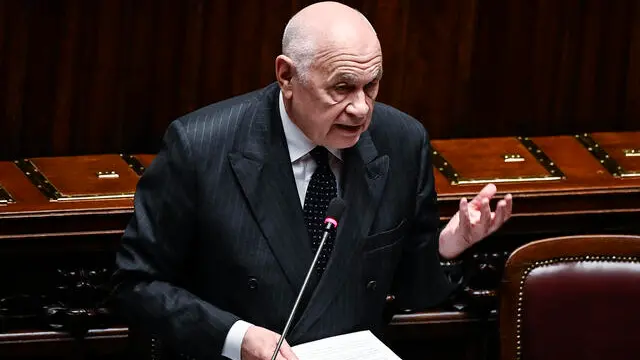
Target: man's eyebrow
<point>378,74</point>
<point>346,77</point>
<point>351,78</point>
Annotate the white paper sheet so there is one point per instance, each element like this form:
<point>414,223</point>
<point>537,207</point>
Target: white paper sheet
<point>353,346</point>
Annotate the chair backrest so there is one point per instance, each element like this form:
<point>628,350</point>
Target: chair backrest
<point>575,297</point>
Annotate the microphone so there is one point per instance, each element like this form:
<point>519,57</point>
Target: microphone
<point>334,212</point>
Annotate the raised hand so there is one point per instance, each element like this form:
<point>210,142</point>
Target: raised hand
<point>473,222</point>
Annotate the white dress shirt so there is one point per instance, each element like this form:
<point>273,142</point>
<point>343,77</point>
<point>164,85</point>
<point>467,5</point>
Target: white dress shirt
<point>303,167</point>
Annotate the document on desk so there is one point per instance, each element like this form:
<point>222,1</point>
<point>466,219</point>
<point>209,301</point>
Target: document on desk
<point>354,346</point>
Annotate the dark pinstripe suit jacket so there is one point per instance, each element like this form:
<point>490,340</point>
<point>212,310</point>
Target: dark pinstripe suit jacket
<point>218,232</point>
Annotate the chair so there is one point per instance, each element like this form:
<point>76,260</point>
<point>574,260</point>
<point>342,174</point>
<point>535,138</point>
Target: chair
<point>574,297</point>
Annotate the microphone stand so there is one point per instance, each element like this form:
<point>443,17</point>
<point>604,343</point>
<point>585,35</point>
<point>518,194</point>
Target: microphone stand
<point>304,285</point>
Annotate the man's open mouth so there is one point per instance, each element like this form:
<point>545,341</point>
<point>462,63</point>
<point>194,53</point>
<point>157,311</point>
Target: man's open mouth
<point>350,128</point>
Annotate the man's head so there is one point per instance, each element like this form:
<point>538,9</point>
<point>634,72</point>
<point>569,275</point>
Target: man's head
<point>329,71</point>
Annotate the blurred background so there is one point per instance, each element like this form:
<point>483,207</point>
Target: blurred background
<point>104,76</point>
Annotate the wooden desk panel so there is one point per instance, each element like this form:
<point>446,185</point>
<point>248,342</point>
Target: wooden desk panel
<point>75,239</point>
<point>422,336</point>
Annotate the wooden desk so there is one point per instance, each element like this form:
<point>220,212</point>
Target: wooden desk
<point>61,218</point>
<point>428,335</point>
<point>108,343</point>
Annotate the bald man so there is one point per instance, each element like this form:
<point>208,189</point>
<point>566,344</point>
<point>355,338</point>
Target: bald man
<point>222,235</point>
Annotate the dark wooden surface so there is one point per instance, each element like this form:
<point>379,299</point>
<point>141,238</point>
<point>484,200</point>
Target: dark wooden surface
<point>107,76</point>
<point>58,253</point>
<point>587,189</point>
<point>423,336</point>
<point>584,174</point>
<point>443,335</point>
<point>111,343</point>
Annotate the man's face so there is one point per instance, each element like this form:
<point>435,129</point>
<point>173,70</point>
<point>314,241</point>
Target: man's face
<point>335,103</point>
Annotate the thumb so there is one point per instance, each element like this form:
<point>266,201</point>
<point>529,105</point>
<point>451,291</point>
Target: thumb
<point>287,351</point>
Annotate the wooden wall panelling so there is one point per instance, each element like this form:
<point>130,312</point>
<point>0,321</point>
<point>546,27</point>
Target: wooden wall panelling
<point>80,77</point>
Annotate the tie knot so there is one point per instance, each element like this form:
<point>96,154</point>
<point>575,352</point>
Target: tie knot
<point>321,155</point>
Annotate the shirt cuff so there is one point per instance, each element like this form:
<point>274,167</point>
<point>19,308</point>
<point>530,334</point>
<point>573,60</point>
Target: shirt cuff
<point>233,342</point>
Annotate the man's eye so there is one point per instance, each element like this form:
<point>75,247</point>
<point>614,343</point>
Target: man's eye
<point>342,87</point>
<point>371,84</point>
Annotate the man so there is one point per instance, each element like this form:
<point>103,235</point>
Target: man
<point>226,218</point>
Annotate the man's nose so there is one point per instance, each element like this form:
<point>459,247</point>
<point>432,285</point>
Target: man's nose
<point>358,106</point>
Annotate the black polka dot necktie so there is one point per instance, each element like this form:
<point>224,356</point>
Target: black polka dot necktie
<point>320,191</point>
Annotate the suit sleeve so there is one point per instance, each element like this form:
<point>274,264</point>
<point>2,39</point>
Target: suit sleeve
<point>421,282</point>
<point>152,260</point>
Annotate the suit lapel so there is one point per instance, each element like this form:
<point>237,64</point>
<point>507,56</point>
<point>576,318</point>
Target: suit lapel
<point>263,168</point>
<point>365,175</point>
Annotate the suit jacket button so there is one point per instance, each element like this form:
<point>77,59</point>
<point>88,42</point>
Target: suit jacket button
<point>372,285</point>
<point>253,283</point>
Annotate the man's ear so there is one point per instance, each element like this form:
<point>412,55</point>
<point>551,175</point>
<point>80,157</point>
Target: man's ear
<point>284,74</point>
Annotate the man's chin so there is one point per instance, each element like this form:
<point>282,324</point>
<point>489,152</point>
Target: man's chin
<point>344,142</point>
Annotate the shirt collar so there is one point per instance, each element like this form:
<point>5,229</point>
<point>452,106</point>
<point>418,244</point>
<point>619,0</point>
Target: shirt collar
<point>298,143</point>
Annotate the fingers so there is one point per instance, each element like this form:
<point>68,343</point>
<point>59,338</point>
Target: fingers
<point>487,192</point>
<point>476,220</point>
<point>485,215</point>
<point>267,353</point>
<point>287,352</point>
<point>463,213</point>
<point>499,217</point>
<point>260,344</point>
<point>509,206</point>
<point>502,214</point>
